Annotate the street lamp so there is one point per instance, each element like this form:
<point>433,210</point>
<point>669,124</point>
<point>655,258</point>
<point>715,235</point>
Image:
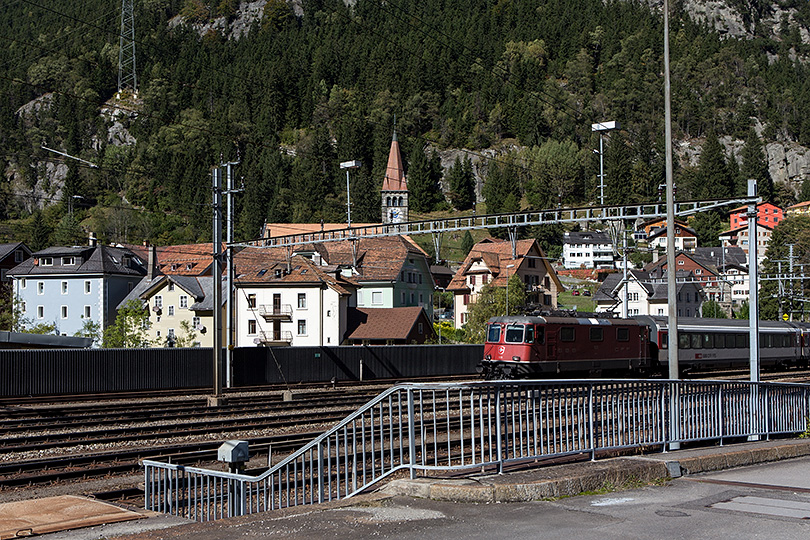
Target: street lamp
<point>349,165</point>
<point>508,266</point>
<point>601,127</point>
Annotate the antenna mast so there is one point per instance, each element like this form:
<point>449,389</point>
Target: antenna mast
<point>126,49</point>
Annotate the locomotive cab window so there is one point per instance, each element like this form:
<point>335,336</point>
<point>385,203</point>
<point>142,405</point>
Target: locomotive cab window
<point>597,334</point>
<point>529,337</point>
<point>622,334</point>
<point>494,333</point>
<point>540,335</point>
<point>514,333</point>
<point>567,333</point>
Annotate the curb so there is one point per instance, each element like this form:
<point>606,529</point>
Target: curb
<point>578,478</point>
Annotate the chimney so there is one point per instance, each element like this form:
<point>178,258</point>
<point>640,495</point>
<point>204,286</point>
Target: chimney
<point>151,267</point>
<point>92,240</point>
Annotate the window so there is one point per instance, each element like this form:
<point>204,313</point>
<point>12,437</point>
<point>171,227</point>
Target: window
<point>359,298</point>
<point>421,299</point>
<point>157,333</point>
<point>514,333</point>
<point>18,256</point>
<point>567,333</point>
<point>87,287</point>
<point>421,328</point>
<point>22,306</point>
<point>402,296</point>
<point>466,299</point>
<point>170,311</point>
<point>86,312</point>
<point>158,301</point>
<point>68,261</point>
<point>412,299</point>
<point>170,333</point>
<point>40,287</point>
<point>46,261</point>
<point>40,312</point>
<point>622,334</point>
<point>64,312</point>
<point>680,262</point>
<point>597,334</point>
<point>494,333</point>
<point>183,301</point>
<point>171,286</point>
<point>472,280</point>
<point>376,297</point>
<point>302,327</point>
<point>532,263</point>
<point>64,287</point>
<point>195,323</point>
<point>302,300</point>
<point>420,279</point>
<point>23,283</point>
<point>251,326</point>
<point>529,336</point>
<point>251,298</point>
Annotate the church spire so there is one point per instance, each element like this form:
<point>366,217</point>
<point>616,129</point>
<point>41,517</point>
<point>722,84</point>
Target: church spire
<point>394,172</point>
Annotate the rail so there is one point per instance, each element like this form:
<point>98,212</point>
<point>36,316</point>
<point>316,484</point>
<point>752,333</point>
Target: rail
<point>457,426</point>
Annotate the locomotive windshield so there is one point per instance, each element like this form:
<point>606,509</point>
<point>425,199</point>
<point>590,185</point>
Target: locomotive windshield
<point>514,333</point>
<point>494,333</point>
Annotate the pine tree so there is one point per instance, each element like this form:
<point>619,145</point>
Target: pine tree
<point>467,243</point>
<point>714,181</point>
<point>462,184</point>
<point>755,165</point>
<point>425,193</point>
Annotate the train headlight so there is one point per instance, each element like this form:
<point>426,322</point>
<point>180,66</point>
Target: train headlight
<point>516,358</point>
<point>488,357</point>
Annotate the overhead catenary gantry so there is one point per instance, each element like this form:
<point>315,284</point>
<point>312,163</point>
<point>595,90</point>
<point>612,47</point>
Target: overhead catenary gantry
<point>511,221</point>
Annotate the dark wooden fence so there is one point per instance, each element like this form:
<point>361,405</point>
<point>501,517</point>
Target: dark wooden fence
<point>51,372</point>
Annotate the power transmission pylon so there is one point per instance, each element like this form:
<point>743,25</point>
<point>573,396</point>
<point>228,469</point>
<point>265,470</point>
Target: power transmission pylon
<point>127,79</point>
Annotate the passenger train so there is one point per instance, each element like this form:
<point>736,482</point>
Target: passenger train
<point>533,346</point>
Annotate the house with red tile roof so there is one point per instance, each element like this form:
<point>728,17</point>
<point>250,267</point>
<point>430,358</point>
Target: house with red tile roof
<point>295,302</point>
<point>492,262</point>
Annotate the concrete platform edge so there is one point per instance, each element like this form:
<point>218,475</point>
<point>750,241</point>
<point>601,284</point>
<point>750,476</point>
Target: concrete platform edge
<point>592,476</point>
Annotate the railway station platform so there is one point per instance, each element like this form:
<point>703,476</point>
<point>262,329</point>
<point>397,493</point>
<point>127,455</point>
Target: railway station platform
<point>408,501</point>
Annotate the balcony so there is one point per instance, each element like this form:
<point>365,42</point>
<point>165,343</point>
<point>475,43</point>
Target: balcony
<point>276,313</point>
<point>274,338</point>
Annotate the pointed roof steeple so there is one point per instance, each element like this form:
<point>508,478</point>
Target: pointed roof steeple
<point>394,172</point>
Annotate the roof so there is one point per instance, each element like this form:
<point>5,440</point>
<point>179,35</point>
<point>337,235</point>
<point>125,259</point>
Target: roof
<point>200,288</point>
<point>394,172</point>
<point>188,259</point>
<point>760,205</point>
<point>385,323</point>
<point>586,238</point>
<point>21,340</point>
<point>8,249</point>
<point>106,260</point>
<point>256,266</point>
<point>720,257</point>
<point>798,205</point>
<point>655,288</point>
<point>496,254</point>
<point>731,232</point>
<point>663,230</point>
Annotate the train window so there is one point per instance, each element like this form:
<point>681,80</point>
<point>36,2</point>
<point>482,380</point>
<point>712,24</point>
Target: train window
<point>730,341</point>
<point>494,333</point>
<point>765,340</point>
<point>742,341</point>
<point>540,336</point>
<point>697,340</point>
<point>663,340</point>
<point>567,333</point>
<point>622,334</point>
<point>529,337</point>
<point>597,334</point>
<point>684,341</point>
<point>514,333</point>
<point>708,341</point>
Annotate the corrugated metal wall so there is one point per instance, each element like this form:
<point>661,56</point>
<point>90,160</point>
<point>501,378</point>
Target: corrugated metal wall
<point>50,372</point>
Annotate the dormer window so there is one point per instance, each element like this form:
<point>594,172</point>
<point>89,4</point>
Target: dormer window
<point>68,261</point>
<point>189,266</point>
<point>174,266</point>
<point>18,256</point>
<point>46,261</point>
<point>278,272</point>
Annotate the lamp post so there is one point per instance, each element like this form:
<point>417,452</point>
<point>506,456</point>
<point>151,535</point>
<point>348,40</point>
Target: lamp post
<point>349,165</point>
<point>601,127</point>
<point>508,266</point>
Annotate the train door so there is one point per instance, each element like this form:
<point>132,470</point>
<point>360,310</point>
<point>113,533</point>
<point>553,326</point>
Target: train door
<point>551,345</point>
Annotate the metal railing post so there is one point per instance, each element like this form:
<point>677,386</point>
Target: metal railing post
<point>591,423</point>
<point>320,473</point>
<point>411,434</point>
<point>498,425</point>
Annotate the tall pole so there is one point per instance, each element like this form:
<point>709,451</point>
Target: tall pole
<point>216,277</point>
<point>127,77</point>
<point>626,293</point>
<point>349,165</point>
<point>229,314</point>
<point>601,171</point>
<point>672,289</point>
<point>753,282</point>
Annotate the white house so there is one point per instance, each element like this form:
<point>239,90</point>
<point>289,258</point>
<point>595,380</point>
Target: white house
<point>646,295</point>
<point>589,249</point>
<point>299,303</point>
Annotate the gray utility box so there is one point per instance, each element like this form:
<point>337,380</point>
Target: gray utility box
<point>233,452</point>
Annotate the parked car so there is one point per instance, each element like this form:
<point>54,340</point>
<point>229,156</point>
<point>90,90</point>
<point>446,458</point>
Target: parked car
<point>586,292</point>
<point>575,293</point>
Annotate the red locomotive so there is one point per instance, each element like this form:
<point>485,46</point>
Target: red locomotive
<point>534,346</point>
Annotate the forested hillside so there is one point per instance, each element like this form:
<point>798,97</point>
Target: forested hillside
<point>316,82</point>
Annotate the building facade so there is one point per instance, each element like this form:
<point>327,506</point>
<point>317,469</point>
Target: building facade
<point>587,250</point>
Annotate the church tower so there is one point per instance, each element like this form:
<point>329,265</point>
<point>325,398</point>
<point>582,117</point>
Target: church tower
<point>395,188</point>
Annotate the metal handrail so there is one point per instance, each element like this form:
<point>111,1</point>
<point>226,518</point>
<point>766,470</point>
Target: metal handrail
<point>458,426</point>
<point>275,336</point>
<point>284,310</point>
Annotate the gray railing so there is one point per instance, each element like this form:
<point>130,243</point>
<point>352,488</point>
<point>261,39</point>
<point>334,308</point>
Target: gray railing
<point>422,427</point>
